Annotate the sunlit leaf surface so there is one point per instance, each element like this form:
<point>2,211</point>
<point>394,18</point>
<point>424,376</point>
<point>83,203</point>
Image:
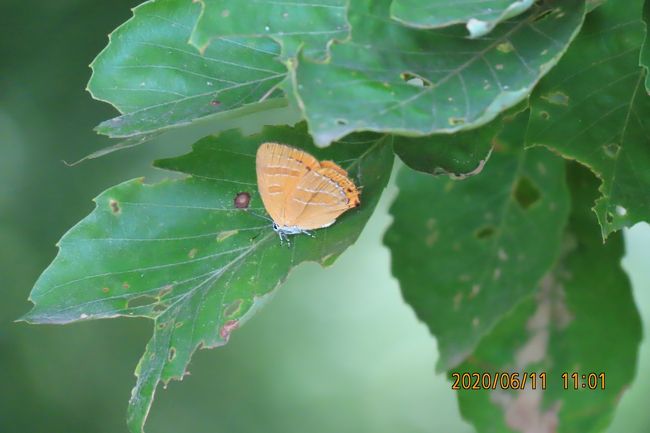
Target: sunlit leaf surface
<point>418,82</point>
<point>312,25</point>
<point>157,80</point>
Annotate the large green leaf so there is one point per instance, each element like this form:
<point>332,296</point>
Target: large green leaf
<point>157,80</point>
<point>417,82</point>
<point>479,16</point>
<point>312,25</point>
<point>466,252</point>
<point>582,319</point>
<point>593,107</point>
<point>180,253</point>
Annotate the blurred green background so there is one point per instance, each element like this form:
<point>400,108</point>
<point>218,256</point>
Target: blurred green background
<point>336,351</point>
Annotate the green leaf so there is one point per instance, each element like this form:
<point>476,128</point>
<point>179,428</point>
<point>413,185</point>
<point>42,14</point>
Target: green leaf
<point>466,252</point>
<point>593,107</point>
<point>479,16</point>
<point>180,253</point>
<point>157,80</point>
<point>458,155</point>
<point>312,25</point>
<point>416,82</point>
<point>583,302</point>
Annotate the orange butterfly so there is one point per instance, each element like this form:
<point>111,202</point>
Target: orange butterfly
<point>299,192</point>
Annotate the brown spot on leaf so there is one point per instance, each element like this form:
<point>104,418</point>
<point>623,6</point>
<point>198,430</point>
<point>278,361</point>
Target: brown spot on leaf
<point>115,206</point>
<point>105,289</point>
<point>165,290</point>
<point>192,253</point>
<point>242,200</point>
<point>227,328</point>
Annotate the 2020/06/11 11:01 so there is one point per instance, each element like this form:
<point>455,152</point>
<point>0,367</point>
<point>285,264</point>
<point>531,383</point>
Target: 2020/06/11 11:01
<point>521,380</point>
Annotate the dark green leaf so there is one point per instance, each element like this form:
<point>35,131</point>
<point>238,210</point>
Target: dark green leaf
<point>582,319</point>
<point>310,24</point>
<point>593,107</point>
<point>157,80</point>
<point>418,82</point>
<point>479,16</point>
<point>180,253</point>
<point>458,155</point>
<point>466,252</point>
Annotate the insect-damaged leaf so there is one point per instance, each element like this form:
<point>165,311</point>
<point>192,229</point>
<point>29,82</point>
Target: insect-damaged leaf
<point>593,107</point>
<point>585,300</point>
<point>466,252</point>
<point>418,82</point>
<point>479,16</point>
<point>180,251</point>
<point>157,80</point>
<point>310,24</point>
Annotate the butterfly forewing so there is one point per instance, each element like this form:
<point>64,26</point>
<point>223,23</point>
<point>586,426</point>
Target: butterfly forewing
<point>298,191</point>
<point>279,168</point>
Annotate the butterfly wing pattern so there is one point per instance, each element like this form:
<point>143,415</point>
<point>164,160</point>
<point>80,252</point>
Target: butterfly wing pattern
<point>299,192</point>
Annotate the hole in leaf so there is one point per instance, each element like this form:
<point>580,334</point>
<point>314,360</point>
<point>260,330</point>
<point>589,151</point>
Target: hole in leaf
<point>415,79</point>
<point>341,122</point>
<point>485,233</point>
<point>172,354</point>
<point>526,193</point>
<point>611,150</point>
<point>233,308</point>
